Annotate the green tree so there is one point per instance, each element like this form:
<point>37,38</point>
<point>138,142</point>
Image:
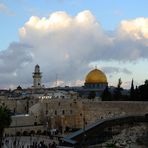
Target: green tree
<point>106,95</point>
<point>137,94</point>
<point>143,91</point>
<point>117,91</point>
<point>132,92</point>
<point>5,121</point>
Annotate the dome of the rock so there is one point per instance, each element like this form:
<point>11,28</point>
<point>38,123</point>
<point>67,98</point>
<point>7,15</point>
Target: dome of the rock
<point>95,76</point>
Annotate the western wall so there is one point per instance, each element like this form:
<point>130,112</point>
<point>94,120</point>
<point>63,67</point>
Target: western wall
<point>76,113</point>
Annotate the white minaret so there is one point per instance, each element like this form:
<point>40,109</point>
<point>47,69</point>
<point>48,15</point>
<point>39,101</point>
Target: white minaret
<point>37,75</point>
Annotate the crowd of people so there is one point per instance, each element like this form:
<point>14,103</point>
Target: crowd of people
<point>24,143</point>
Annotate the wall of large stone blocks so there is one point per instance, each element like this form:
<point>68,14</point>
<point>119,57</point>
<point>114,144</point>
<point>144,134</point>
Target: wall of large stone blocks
<point>62,112</point>
<point>100,110</point>
<point>22,120</point>
<point>77,113</point>
<point>18,105</point>
<point>87,111</point>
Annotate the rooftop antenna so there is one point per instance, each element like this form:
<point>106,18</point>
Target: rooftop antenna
<point>56,80</point>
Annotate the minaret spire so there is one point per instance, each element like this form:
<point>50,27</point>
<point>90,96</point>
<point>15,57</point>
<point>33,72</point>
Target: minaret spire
<point>37,75</point>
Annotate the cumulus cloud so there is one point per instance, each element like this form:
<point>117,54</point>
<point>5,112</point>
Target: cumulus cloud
<point>138,28</point>
<point>65,45</point>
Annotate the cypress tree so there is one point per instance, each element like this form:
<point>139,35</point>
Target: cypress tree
<point>132,91</point>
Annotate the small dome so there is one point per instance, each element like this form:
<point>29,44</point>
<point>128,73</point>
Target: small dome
<point>95,76</point>
<point>19,88</point>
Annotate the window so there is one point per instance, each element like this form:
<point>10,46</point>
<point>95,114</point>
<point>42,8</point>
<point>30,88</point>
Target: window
<point>63,112</point>
<point>55,112</point>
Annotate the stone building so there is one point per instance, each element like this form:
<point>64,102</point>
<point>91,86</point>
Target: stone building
<point>69,113</point>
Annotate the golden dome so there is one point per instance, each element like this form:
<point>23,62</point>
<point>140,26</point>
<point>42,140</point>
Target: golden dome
<point>95,76</point>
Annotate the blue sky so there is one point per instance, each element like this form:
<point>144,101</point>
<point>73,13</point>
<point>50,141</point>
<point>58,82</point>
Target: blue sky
<point>108,13</point>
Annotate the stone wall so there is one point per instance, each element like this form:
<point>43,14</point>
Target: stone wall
<point>22,120</point>
<point>18,105</point>
<point>62,113</point>
<point>106,109</point>
<point>76,112</point>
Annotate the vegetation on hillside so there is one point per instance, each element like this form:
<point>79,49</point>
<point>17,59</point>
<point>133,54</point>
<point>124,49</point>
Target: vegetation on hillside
<point>5,121</point>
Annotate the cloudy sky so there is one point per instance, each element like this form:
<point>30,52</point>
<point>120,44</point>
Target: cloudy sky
<point>68,38</point>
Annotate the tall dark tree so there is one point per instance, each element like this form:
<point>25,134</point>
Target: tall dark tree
<point>143,91</point>
<point>132,91</point>
<point>106,95</point>
<point>137,96</point>
<point>117,92</point>
<point>146,82</point>
<point>5,121</point>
